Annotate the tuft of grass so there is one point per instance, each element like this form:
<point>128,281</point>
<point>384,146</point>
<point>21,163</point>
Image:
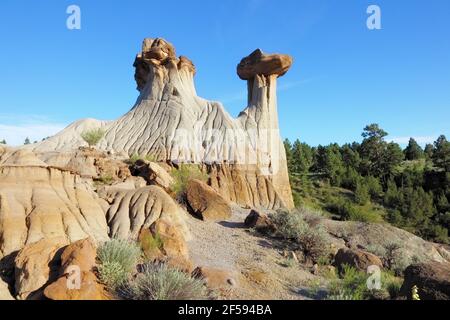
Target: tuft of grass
<point>117,260</point>
<point>181,177</point>
<point>136,157</point>
<point>160,282</point>
<point>289,263</point>
<point>151,245</point>
<point>105,179</point>
<point>92,137</point>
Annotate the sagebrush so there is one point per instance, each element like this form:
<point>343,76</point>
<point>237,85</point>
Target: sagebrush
<point>160,282</point>
<point>117,260</point>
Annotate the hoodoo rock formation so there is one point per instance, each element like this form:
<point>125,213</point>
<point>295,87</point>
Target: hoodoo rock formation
<point>170,122</point>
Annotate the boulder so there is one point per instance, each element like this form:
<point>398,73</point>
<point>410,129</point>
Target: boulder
<point>259,63</point>
<point>432,279</point>
<point>153,173</point>
<point>77,280</point>
<point>4,291</point>
<point>259,221</point>
<point>36,265</point>
<point>365,236</point>
<point>206,203</point>
<point>358,259</point>
<point>217,278</point>
<point>173,244</point>
<point>134,210</point>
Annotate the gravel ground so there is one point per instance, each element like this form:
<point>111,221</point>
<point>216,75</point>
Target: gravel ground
<point>229,245</point>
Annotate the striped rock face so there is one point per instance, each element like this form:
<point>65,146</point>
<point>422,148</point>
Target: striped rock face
<point>170,122</point>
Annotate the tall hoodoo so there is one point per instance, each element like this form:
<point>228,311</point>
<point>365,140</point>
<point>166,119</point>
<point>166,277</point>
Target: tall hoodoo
<point>261,72</point>
<point>172,123</point>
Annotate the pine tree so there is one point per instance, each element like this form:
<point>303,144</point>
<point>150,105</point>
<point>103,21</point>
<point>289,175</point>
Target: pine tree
<point>27,141</point>
<point>441,154</point>
<point>413,151</point>
<point>429,149</point>
<point>361,193</point>
<point>288,148</point>
<point>302,156</point>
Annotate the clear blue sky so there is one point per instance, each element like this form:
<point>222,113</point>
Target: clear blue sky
<point>344,76</point>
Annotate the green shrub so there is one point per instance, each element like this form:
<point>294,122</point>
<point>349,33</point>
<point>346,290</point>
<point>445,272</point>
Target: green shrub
<point>288,225</point>
<point>374,187</point>
<point>353,286</point>
<point>361,193</point>
<point>298,200</point>
<point>112,274</point>
<point>160,282</point>
<point>181,177</point>
<point>289,263</point>
<point>117,260</point>
<point>394,257</point>
<point>92,137</point>
<point>105,179</point>
<point>350,212</point>
<point>392,284</point>
<point>135,157</point>
<point>312,241</point>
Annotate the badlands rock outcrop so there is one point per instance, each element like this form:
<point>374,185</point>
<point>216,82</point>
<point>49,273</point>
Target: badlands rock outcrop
<point>35,266</point>
<point>77,258</point>
<point>134,210</point>
<point>171,123</point>
<point>38,201</point>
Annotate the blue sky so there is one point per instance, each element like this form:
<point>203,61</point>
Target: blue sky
<point>344,75</point>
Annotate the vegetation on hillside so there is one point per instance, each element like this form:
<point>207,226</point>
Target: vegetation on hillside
<point>92,137</point>
<point>375,181</point>
<point>182,176</point>
<point>129,272</point>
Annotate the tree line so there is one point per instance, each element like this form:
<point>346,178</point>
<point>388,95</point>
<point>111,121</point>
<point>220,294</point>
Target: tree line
<point>412,184</point>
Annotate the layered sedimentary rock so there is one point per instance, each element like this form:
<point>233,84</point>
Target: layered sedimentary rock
<point>134,210</point>
<point>170,122</point>
<point>42,202</point>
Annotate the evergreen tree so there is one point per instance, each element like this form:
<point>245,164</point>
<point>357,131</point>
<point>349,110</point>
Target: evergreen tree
<point>3,141</point>
<point>361,193</point>
<point>350,178</point>
<point>441,154</point>
<point>413,151</point>
<point>374,187</point>
<point>350,157</point>
<point>328,161</point>
<point>372,150</point>
<point>302,155</point>
<point>429,149</point>
<point>288,148</point>
<point>391,158</point>
<point>27,141</point>
<point>392,196</point>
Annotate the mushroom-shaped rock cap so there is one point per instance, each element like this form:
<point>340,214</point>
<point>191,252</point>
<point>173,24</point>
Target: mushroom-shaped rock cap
<point>157,49</point>
<point>259,63</point>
